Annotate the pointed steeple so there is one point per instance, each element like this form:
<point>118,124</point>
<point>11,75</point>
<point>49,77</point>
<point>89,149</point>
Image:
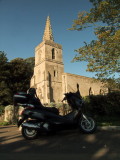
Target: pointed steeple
<point>48,31</point>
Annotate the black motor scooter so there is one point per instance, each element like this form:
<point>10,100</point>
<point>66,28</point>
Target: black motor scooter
<point>36,120</point>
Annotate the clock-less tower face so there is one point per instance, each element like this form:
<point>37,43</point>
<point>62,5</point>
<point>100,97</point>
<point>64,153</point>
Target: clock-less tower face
<point>48,68</point>
<point>38,57</point>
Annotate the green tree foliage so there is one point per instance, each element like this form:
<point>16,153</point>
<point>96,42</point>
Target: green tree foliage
<point>31,63</point>
<point>103,54</point>
<point>113,84</point>
<point>3,66</point>
<point>14,76</point>
<point>21,73</point>
<point>5,92</point>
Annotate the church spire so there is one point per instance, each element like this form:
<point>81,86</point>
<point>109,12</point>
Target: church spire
<point>48,31</point>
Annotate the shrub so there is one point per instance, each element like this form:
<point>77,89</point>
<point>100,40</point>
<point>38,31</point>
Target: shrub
<point>4,123</point>
<point>2,110</point>
<point>103,104</point>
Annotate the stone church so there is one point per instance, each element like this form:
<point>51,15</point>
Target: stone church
<point>49,77</point>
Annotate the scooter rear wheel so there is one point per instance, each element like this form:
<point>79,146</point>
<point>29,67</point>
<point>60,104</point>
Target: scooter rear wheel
<point>29,133</point>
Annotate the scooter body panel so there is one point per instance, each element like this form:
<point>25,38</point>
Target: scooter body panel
<point>44,119</point>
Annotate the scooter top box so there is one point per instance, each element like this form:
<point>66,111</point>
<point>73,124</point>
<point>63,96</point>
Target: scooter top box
<point>20,98</point>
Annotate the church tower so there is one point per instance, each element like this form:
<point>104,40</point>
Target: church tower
<point>48,70</point>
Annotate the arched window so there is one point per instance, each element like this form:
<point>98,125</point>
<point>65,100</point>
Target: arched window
<point>102,92</point>
<point>53,53</point>
<point>91,92</point>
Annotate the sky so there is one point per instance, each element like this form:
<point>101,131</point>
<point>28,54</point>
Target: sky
<point>22,24</point>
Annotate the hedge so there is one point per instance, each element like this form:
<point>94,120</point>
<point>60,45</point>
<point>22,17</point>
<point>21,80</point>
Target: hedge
<point>103,104</point>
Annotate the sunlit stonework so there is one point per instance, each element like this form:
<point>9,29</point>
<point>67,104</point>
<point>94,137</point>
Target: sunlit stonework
<point>49,77</point>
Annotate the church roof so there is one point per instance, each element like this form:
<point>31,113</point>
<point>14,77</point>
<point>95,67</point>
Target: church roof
<point>48,31</point>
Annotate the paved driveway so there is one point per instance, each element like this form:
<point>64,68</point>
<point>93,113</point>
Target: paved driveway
<point>71,145</point>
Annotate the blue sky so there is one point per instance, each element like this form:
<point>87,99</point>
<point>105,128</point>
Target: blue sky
<point>22,24</point>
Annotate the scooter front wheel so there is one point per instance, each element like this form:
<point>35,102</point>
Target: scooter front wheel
<point>87,124</point>
<point>29,133</point>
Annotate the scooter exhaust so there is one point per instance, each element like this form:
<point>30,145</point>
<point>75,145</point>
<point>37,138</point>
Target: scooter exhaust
<point>30,125</point>
<point>44,127</point>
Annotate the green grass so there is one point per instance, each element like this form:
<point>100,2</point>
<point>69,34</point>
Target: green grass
<point>4,123</point>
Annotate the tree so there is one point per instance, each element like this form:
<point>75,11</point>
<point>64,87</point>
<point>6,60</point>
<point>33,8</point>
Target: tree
<point>21,73</point>
<point>5,92</point>
<point>103,54</point>
<point>14,76</point>
<point>31,63</point>
<point>113,84</point>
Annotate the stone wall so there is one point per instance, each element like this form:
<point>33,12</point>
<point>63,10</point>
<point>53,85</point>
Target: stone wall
<point>87,85</point>
<point>10,115</point>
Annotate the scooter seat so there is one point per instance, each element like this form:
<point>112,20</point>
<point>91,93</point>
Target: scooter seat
<point>51,109</point>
